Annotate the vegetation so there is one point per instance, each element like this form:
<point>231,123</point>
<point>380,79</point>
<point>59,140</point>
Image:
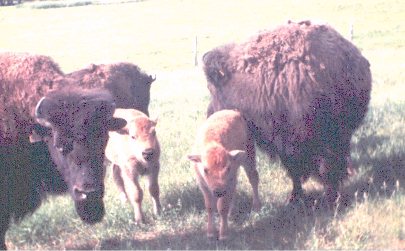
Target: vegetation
<point>159,36</point>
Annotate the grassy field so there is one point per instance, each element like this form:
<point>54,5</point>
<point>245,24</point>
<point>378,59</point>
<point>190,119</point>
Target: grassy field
<point>159,36</point>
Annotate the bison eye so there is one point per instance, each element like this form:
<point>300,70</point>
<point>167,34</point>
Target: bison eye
<point>133,137</point>
<point>206,171</point>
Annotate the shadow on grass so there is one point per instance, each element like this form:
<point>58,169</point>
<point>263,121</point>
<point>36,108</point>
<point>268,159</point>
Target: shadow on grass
<point>386,173</point>
<point>284,226</point>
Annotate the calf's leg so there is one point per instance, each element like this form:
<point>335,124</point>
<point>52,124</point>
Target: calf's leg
<point>134,194</point>
<point>119,182</point>
<point>153,186</point>
<point>223,205</point>
<point>210,203</point>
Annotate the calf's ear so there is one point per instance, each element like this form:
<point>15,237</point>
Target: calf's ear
<point>154,119</point>
<point>238,156</point>
<point>115,124</point>
<point>194,158</point>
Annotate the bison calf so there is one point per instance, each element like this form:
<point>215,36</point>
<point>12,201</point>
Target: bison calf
<point>222,145</point>
<point>134,151</point>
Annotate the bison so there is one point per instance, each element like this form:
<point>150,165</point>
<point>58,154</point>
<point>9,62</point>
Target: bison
<point>134,151</point>
<point>222,144</point>
<point>71,157</point>
<point>304,89</point>
<point>129,85</point>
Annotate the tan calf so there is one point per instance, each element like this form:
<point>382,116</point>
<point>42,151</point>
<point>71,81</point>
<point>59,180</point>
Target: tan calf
<point>134,151</point>
<point>221,146</point>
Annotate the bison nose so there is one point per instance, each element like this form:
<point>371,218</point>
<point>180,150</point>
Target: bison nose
<point>219,193</point>
<point>64,149</point>
<point>81,194</point>
<point>148,154</point>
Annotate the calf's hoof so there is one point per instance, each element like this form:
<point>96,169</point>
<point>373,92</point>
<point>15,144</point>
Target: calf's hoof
<point>223,238</point>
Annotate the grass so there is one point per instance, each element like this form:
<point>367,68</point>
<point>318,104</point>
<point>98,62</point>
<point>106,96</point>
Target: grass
<point>159,36</point>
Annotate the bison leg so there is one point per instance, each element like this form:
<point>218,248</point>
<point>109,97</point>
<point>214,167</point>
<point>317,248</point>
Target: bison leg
<point>119,182</point>
<point>153,186</point>
<point>294,170</point>
<point>5,206</point>
<point>336,169</point>
<point>3,240</point>
<point>4,222</point>
<point>252,174</point>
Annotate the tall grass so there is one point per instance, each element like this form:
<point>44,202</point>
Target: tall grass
<point>159,35</point>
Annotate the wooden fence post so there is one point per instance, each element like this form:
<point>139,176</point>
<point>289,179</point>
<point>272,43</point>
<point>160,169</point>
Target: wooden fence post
<point>196,51</point>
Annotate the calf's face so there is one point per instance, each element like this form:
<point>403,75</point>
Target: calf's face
<point>218,168</point>
<point>142,133</point>
<point>77,140</point>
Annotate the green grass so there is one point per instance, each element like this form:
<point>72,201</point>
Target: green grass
<point>159,35</point>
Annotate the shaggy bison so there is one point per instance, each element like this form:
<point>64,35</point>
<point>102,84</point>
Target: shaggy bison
<point>129,86</point>
<point>221,146</point>
<point>76,122</point>
<point>303,89</point>
<point>134,151</point>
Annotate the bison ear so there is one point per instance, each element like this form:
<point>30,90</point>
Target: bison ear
<point>238,156</point>
<point>194,158</point>
<point>152,79</point>
<point>216,76</point>
<point>115,124</point>
<point>42,110</point>
<point>215,67</point>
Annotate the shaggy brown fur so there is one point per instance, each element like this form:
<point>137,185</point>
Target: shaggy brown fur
<point>18,98</point>
<point>134,151</point>
<point>129,86</point>
<point>304,90</point>
<point>222,145</point>
<point>79,121</point>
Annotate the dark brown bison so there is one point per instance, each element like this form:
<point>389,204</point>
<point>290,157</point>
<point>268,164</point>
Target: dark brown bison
<point>129,86</point>
<point>71,158</point>
<point>8,2</point>
<point>303,89</point>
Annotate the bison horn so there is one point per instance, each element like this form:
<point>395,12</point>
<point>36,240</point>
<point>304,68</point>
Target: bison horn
<point>152,78</point>
<point>39,112</point>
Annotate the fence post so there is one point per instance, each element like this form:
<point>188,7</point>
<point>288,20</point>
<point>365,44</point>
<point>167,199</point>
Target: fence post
<point>351,32</point>
<point>196,51</point>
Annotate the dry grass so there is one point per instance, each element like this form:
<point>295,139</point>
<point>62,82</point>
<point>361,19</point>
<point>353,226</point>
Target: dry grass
<point>158,35</point>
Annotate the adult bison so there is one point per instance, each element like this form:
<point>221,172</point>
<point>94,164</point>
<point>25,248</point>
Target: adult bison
<point>71,158</point>
<point>303,89</point>
<point>128,84</point>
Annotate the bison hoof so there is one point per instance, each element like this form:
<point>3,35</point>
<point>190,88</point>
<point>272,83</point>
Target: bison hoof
<point>257,205</point>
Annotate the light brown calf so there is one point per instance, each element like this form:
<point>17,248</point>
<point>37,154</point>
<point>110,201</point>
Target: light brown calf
<point>134,151</point>
<point>221,146</point>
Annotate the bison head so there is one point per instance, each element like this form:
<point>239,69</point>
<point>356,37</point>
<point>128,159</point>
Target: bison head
<point>78,122</point>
